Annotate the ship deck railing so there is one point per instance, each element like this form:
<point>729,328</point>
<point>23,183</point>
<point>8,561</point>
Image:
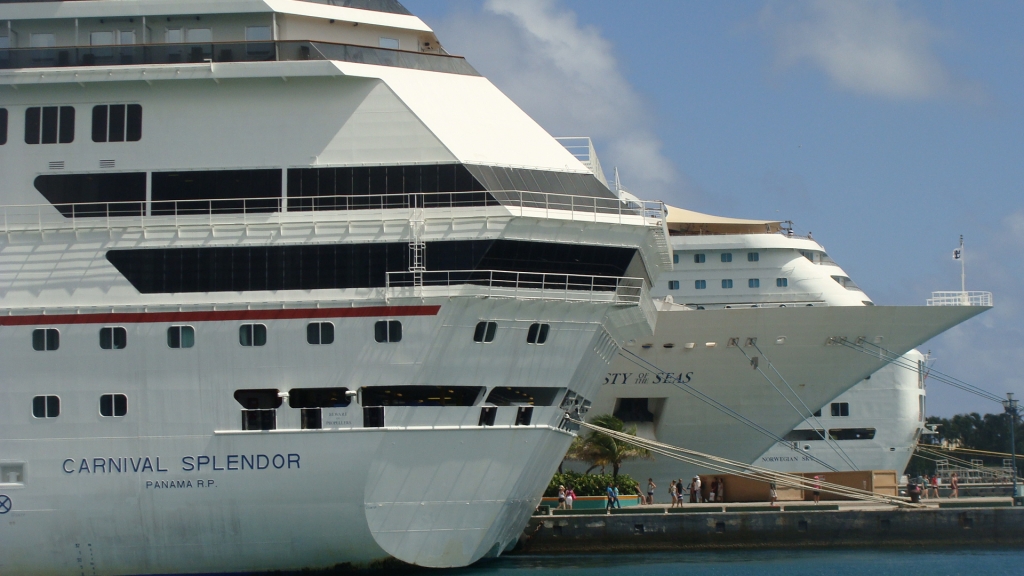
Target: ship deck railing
<point>221,52</point>
<point>619,290</point>
<point>277,210</point>
<point>954,298</point>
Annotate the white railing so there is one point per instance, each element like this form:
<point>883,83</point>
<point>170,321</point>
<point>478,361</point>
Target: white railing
<point>519,285</point>
<point>244,211</point>
<point>960,299</point>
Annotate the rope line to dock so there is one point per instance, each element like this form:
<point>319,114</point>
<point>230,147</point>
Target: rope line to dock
<point>748,471</point>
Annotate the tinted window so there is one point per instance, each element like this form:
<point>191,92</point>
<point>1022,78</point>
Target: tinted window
<point>45,339</point>
<point>485,331</point>
<point>318,397</point>
<point>216,191</point>
<point>95,195</point>
<point>699,258</point>
<point>726,257</point>
<point>382,187</point>
<point>3,126</point>
<point>538,333</point>
<point>181,337</point>
<point>726,283</point>
<point>46,406</point>
<point>113,405</point>
<point>700,284</point>
<point>518,395</point>
<point>753,256</point>
<point>754,283</point>
<point>840,408</point>
<point>387,331</point>
<point>117,123</point>
<point>852,433</point>
<point>50,125</point>
<point>673,284</point>
<point>421,395</point>
<point>113,338</point>
<point>804,435</point>
<point>782,282</point>
<point>675,258</point>
<point>252,334</point>
<point>320,333</point>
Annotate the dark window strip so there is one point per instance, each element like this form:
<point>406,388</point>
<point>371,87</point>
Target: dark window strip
<point>95,195</point>
<point>216,191</point>
<point>3,126</point>
<point>337,266</point>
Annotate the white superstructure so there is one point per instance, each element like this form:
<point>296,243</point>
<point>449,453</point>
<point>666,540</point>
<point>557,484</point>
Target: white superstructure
<point>284,286</point>
<point>747,349</point>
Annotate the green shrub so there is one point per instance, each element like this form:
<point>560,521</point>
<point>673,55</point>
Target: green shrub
<point>590,484</point>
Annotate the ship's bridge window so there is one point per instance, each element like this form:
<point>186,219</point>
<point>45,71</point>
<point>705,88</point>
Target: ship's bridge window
<point>113,405</point>
<point>45,339</point>
<point>259,408</point>
<point>387,331</point>
<point>252,334</point>
<point>524,396</point>
<point>852,433</point>
<point>845,282</point>
<point>46,406</point>
<point>389,43</point>
<point>840,408</point>
<point>320,333</point>
<point>422,395</point>
<point>726,256</point>
<point>3,125</point>
<point>181,337</point>
<point>538,333</point>
<point>484,332</point>
<point>113,338</point>
<point>782,282</point>
<point>699,258</point>
<point>50,125</point>
<point>117,123</point>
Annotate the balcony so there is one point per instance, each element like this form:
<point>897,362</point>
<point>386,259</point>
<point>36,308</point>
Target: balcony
<point>960,299</point>
<point>220,52</point>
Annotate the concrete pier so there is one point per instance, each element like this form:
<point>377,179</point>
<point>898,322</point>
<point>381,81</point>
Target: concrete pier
<point>974,521</point>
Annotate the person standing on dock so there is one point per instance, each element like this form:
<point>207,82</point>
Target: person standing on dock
<point>570,495</point>
<point>933,483</point>
<point>611,496</point>
<point>561,497</point>
<point>679,492</point>
<point>817,489</point>
<point>615,495</point>
<point>673,493</point>
<point>650,490</point>
<point>721,490</point>
<point>714,488</point>
<point>773,493</point>
<point>695,493</point>
<point>954,484</point>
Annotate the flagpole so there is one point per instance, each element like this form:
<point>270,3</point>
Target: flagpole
<point>963,278</point>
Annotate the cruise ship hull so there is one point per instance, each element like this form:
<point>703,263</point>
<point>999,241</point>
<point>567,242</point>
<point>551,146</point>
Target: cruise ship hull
<point>795,341</point>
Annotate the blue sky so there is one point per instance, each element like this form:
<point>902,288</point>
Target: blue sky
<point>886,128</point>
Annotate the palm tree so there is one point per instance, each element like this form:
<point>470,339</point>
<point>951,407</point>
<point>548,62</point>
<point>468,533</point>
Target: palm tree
<point>601,450</point>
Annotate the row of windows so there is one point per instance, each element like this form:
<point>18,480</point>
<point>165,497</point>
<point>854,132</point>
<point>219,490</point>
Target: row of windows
<point>701,258</point>
<point>111,406</point>
<point>727,283</point>
<point>56,124</point>
<point>250,335</point>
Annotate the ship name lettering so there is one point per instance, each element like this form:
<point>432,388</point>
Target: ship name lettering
<point>240,462</point>
<point>613,377</point>
<point>672,378</point>
<point>161,484</point>
<point>112,465</point>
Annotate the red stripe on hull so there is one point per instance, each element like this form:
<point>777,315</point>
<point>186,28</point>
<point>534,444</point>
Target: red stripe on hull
<point>218,315</point>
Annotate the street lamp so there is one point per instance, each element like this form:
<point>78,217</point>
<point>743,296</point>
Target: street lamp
<point>1010,405</point>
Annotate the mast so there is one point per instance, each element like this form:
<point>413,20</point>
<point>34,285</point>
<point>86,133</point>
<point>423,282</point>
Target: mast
<point>963,280</point>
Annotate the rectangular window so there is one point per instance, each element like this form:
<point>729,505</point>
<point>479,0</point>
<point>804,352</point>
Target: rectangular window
<point>252,334</point>
<point>727,284</point>
<point>257,34</point>
<point>538,334</point>
<point>101,39</point>
<point>754,283</point>
<point>113,405</point>
<point>126,37</point>
<point>675,258</point>
<point>700,284</point>
<point>726,256</point>
<point>387,331</point>
<point>852,433</point>
<point>3,126</point>
<point>753,256</point>
<point>840,409</point>
<point>117,123</point>
<point>113,338</point>
<point>673,284</point>
<point>485,331</point>
<point>173,36</point>
<point>699,258</point>
<point>389,43</point>
<point>45,339</point>
<point>782,282</point>
<point>50,125</point>
<point>181,337</point>
<point>320,333</point>
<point>199,35</point>
<point>46,406</point>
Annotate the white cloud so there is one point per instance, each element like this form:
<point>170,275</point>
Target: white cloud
<point>565,76</point>
<point>871,47</point>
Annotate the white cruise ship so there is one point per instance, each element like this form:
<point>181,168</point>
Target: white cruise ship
<point>284,285</point>
<point>764,356</point>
